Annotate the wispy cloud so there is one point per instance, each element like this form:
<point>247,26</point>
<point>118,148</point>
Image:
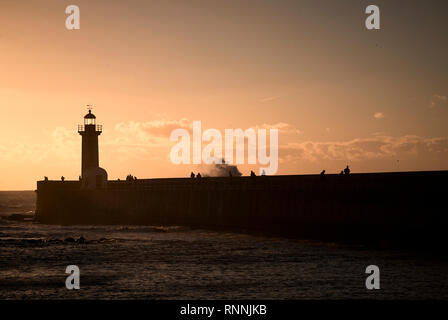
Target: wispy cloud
<point>157,128</point>
<point>282,127</point>
<point>268,99</point>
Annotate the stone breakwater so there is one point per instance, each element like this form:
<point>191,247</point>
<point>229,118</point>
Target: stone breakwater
<point>405,207</point>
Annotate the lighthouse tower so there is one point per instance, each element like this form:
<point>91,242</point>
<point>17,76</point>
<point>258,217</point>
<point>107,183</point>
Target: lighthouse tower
<point>92,175</point>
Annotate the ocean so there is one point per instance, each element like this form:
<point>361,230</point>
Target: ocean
<point>158,262</point>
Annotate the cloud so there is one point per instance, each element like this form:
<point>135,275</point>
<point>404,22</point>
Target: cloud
<point>282,127</point>
<point>62,145</point>
<point>65,143</point>
<point>145,132</point>
<point>378,115</point>
<point>376,147</point>
<point>437,101</point>
<point>136,138</point>
<point>156,128</point>
<point>268,99</point>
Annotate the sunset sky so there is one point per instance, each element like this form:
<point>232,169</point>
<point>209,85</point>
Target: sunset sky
<point>339,93</point>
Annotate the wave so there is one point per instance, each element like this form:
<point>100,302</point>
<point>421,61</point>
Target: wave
<point>39,242</point>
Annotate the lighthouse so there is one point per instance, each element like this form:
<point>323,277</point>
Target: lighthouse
<point>92,175</point>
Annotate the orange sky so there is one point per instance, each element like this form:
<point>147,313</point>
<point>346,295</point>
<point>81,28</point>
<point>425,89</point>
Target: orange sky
<point>340,93</point>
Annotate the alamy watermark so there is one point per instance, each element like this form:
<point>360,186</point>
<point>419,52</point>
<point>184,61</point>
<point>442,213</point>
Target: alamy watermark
<point>257,148</point>
<point>373,20</point>
<point>72,22</point>
<point>373,280</point>
<point>73,280</point>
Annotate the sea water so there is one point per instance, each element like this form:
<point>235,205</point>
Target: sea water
<point>157,262</point>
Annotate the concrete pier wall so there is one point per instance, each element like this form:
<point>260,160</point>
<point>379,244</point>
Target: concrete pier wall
<point>408,205</point>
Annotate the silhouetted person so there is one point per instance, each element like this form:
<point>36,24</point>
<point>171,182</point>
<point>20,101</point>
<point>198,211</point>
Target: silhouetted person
<point>263,173</point>
<point>347,170</point>
<point>342,172</point>
<point>322,175</point>
<point>198,175</point>
<point>230,174</point>
<point>129,177</point>
<point>192,175</point>
<point>62,178</point>
<point>252,174</point>
<point>80,178</point>
<point>45,178</point>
